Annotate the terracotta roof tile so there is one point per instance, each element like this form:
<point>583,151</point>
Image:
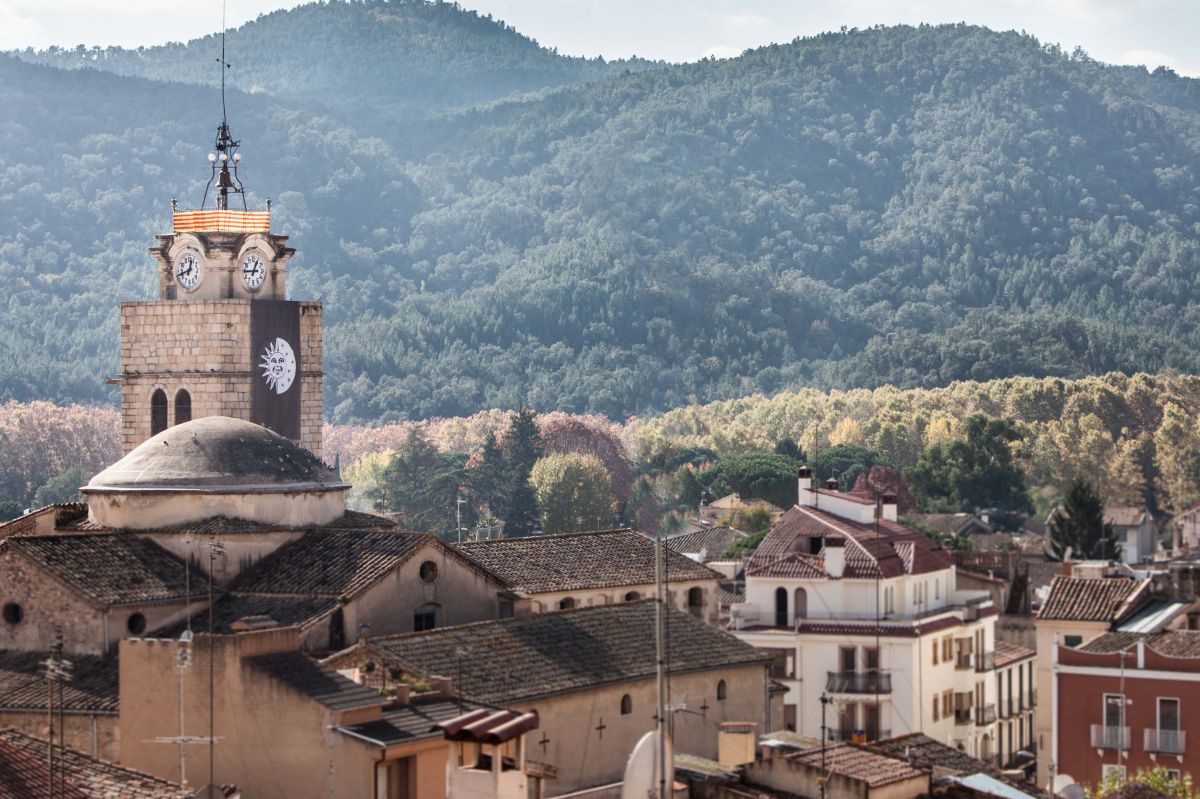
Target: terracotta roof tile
<point>925,752</point>
<point>316,681</point>
<point>712,540</point>
<point>575,561</point>
<point>412,722</point>
<point>283,610</point>
<point>1007,653</point>
<point>858,763</point>
<point>110,570</point>
<point>1172,643</point>
<point>501,662</point>
<point>1124,515</point>
<point>93,687</point>
<point>1088,599</point>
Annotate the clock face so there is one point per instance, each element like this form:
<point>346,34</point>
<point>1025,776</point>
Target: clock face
<point>187,271</point>
<point>254,271</point>
<point>278,365</point>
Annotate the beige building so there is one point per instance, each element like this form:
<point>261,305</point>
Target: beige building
<point>589,674</point>
<point>605,567</point>
<point>840,771</point>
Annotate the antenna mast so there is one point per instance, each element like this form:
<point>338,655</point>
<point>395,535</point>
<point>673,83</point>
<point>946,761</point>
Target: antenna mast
<point>225,147</point>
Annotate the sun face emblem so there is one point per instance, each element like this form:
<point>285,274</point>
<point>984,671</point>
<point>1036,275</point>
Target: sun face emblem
<point>278,366</point>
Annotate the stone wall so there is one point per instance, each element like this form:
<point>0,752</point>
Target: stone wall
<point>46,604</point>
<point>96,734</point>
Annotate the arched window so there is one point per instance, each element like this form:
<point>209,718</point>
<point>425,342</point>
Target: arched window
<point>721,691</point>
<point>781,607</point>
<point>158,411</point>
<point>626,705</point>
<point>695,600</point>
<point>632,596</point>
<point>566,603</point>
<point>183,406</point>
<point>800,604</point>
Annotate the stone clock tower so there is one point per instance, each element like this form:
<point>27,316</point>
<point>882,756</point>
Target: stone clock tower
<point>222,338</point>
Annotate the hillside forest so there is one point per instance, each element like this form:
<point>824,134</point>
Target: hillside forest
<point>1135,439</point>
<point>491,224</point>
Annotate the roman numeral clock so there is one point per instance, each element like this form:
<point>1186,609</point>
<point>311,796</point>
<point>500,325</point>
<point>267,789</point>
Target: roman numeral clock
<point>222,338</point>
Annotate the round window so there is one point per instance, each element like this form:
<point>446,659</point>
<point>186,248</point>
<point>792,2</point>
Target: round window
<point>429,571</point>
<point>136,624</point>
<point>13,613</point>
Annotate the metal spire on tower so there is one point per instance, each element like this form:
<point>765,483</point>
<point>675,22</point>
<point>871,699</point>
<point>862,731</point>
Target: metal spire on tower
<point>225,147</point>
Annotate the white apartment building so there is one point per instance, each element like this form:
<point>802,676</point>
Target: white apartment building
<point>864,613</point>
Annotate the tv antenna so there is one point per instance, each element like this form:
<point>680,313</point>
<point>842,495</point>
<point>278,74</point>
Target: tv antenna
<point>225,147</point>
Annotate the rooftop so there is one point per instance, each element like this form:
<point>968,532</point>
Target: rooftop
<point>1007,653</point>
<point>575,561</point>
<point>1172,643</point>
<point>93,687</point>
<point>281,611</point>
<point>713,541</point>
<point>1124,515</point>
<point>501,662</point>
<point>316,681</point>
<point>216,453</point>
<point>858,763</point>
<point>1089,599</point>
<point>24,774</point>
<point>925,752</point>
<point>110,570</point>
<point>225,525</point>
<point>883,549</point>
<point>412,722</point>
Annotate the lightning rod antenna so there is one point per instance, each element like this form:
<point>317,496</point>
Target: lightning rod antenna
<point>224,66</point>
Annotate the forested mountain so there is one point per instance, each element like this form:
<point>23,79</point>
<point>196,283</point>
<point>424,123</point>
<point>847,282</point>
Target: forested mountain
<point>896,205</point>
<point>382,64</point>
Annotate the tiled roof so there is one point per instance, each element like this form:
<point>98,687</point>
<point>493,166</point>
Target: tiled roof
<point>952,523</point>
<point>817,627</point>
<point>224,525</point>
<point>24,774</point>
<point>330,564</point>
<point>925,752</point>
<point>712,540</point>
<point>858,763</point>
<point>111,569</point>
<point>283,610</point>
<point>411,722</point>
<point>1007,653</point>
<point>882,549</point>
<point>93,687</point>
<point>504,661</point>
<point>1124,515</point>
<point>316,681</point>
<point>1172,643</point>
<point>574,561</point>
<point>1085,599</point>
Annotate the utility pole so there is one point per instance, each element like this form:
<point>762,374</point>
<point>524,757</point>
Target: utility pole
<point>824,737</point>
<point>458,503</point>
<point>659,615</point>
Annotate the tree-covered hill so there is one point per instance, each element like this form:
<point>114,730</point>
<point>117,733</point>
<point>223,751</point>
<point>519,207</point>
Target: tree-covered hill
<point>379,62</point>
<point>896,205</point>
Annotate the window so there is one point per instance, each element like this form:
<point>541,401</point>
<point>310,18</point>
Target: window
<point>1073,640</point>
<point>947,702</point>
<point>1114,710</point>
<point>429,571</point>
<point>782,663</point>
<point>136,624</point>
<point>425,618</point>
<point>158,412</point>
<point>506,609</point>
<point>871,658</point>
<point>695,600</point>
<point>566,603</point>
<point>937,588</point>
<point>632,596</point>
<point>1109,768</point>
<point>721,691</point>
<point>937,704</point>
<point>848,658</point>
<point>183,406</point>
<point>13,613</point>
<point>947,648</point>
<point>626,705</point>
<point>781,607</point>
<point>935,652</point>
<point>800,604</point>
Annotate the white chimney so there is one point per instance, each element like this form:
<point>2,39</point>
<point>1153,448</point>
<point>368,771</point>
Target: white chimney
<point>889,507</point>
<point>805,495</point>
<point>834,553</point>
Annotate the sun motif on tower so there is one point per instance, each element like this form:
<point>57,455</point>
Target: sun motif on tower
<point>278,365</point>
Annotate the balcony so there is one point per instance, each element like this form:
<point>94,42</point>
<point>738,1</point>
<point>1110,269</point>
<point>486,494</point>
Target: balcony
<point>985,661</point>
<point>856,682</point>
<point>1168,742</point>
<point>858,736</point>
<point>964,662</point>
<point>964,715</point>
<point>1104,737</point>
<point>985,714</point>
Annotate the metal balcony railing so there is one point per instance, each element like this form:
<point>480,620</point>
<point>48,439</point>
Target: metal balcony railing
<point>858,736</point>
<point>1171,742</point>
<point>859,682</point>
<point>1110,737</point>
<point>985,714</point>
<point>985,661</point>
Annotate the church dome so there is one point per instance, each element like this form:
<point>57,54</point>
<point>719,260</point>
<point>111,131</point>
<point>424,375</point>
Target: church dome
<point>215,466</point>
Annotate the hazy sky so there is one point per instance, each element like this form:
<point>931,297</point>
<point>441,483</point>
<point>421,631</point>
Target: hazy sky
<point>1148,32</point>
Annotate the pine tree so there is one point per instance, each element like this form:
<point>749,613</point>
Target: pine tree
<point>1079,525</point>
<point>522,448</point>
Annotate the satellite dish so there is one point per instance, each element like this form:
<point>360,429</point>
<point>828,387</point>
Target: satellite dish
<point>642,770</point>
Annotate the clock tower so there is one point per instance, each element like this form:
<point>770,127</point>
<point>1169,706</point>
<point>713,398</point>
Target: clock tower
<point>222,338</point>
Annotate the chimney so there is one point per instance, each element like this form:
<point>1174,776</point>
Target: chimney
<point>834,553</point>
<point>832,484</point>
<point>443,686</point>
<point>1066,568</point>
<point>805,495</point>
<point>889,507</point>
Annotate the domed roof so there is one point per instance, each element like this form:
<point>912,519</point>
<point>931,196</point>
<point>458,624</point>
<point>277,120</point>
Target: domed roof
<point>216,453</point>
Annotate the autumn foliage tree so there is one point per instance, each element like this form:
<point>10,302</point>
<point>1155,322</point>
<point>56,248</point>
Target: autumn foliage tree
<point>573,492</point>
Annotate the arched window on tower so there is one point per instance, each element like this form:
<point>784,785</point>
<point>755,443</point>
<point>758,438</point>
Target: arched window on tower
<point>158,411</point>
<point>183,406</point>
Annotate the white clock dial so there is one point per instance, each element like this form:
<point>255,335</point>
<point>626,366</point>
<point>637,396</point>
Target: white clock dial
<point>187,271</point>
<point>278,365</point>
<point>254,271</point>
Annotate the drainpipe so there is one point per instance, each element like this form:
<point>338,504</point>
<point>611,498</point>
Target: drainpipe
<point>106,614</point>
